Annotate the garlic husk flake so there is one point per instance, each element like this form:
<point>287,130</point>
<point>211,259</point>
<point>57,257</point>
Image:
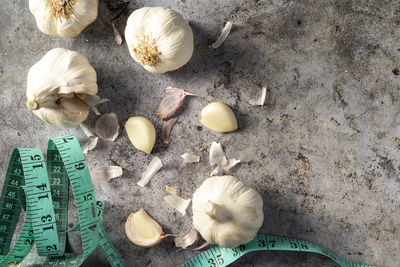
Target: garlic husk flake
<point>90,144</point>
<point>190,158</point>
<point>186,239</point>
<point>104,174</point>
<point>218,117</point>
<point>65,18</point>
<point>259,100</point>
<point>59,87</point>
<point>141,133</point>
<point>166,130</point>
<point>153,167</point>
<point>177,203</point>
<point>117,35</point>
<point>142,230</point>
<point>171,102</point>
<point>107,126</point>
<point>171,190</point>
<point>217,157</point>
<point>159,39</point>
<point>224,34</point>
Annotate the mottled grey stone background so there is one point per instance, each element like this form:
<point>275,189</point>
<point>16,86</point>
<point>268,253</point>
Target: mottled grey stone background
<point>323,151</point>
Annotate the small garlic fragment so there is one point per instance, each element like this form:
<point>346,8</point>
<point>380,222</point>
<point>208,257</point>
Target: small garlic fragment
<point>107,126</point>
<point>172,190</point>
<point>142,230</point>
<point>90,144</point>
<point>171,102</point>
<point>117,35</point>
<point>141,133</point>
<point>166,129</point>
<point>259,100</point>
<point>217,157</point>
<point>186,239</point>
<point>190,158</point>
<point>218,117</point>
<point>224,34</point>
<point>177,203</point>
<point>102,175</point>
<point>154,166</point>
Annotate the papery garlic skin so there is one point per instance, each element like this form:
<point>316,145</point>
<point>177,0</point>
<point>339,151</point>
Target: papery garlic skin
<point>226,211</point>
<point>142,230</point>
<point>141,133</point>
<point>218,117</point>
<point>56,85</point>
<point>70,19</point>
<point>159,39</point>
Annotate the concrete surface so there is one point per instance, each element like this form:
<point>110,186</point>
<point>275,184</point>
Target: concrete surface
<point>323,151</point>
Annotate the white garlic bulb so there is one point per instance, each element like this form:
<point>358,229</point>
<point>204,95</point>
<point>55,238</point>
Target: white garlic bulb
<point>226,211</point>
<point>65,18</point>
<point>61,87</point>
<point>159,38</point>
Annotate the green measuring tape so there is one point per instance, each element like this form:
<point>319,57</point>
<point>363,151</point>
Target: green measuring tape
<point>42,191</point>
<point>218,256</point>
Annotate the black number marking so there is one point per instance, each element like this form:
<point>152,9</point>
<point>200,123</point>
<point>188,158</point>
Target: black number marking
<point>272,242</point>
<point>293,245</point>
<point>88,197</point>
<point>304,246</point>
<point>46,218</point>
<point>261,243</point>
<point>79,166</point>
<point>241,248</point>
<point>93,227</point>
<point>42,186</point>
<point>212,263</point>
<point>28,241</point>
<point>50,248</point>
<point>220,259</point>
<point>36,157</point>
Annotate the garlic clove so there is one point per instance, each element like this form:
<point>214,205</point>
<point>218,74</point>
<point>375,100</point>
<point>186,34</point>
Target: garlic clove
<point>218,117</point>
<point>142,230</point>
<point>154,166</point>
<point>186,239</point>
<point>107,126</point>
<point>73,104</point>
<point>141,133</point>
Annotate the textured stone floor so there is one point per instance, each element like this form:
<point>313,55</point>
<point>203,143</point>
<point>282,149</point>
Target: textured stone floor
<point>323,151</point>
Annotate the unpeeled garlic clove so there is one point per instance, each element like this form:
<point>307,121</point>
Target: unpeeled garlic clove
<point>141,133</point>
<point>218,117</point>
<point>142,230</point>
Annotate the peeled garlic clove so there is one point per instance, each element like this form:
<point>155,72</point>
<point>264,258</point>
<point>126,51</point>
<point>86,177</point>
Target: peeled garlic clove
<point>154,166</point>
<point>142,230</point>
<point>107,126</point>
<point>141,133</point>
<point>218,117</point>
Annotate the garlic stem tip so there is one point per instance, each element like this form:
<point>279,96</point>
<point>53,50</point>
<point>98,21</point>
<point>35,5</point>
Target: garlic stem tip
<point>32,104</point>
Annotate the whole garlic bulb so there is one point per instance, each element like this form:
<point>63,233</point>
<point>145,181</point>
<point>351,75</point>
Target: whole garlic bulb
<point>61,87</point>
<point>226,211</point>
<point>65,18</point>
<point>159,38</point>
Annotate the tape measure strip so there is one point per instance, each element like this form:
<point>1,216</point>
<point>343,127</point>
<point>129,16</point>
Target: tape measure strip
<point>43,224</point>
<point>218,256</point>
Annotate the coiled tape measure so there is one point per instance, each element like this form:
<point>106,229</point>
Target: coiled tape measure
<point>42,191</point>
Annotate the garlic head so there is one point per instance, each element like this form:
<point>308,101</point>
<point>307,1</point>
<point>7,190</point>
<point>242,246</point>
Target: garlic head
<point>226,211</point>
<point>142,230</point>
<point>65,18</point>
<point>218,117</point>
<point>60,87</point>
<point>159,39</point>
<point>141,133</point>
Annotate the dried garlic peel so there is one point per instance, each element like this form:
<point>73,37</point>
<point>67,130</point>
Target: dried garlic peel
<point>102,175</point>
<point>142,230</point>
<point>218,117</point>
<point>177,203</point>
<point>141,133</point>
<point>190,158</point>
<point>107,126</point>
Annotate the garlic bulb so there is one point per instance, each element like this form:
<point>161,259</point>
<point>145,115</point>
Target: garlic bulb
<point>159,38</point>
<point>226,211</point>
<point>65,18</point>
<point>218,117</point>
<point>61,87</point>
